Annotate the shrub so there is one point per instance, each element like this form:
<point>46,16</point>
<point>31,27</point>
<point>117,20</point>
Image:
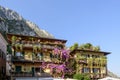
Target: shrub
<point>81,77</point>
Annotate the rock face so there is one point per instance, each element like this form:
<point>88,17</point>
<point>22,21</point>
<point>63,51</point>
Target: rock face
<point>12,22</point>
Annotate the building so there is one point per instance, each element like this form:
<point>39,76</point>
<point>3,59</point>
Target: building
<point>36,56</point>
<point>48,57</point>
<point>3,52</point>
<point>93,63</point>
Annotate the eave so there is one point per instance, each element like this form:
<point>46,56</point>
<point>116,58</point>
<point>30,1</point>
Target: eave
<point>52,39</point>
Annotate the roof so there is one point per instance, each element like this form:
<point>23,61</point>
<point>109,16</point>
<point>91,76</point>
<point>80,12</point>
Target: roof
<point>54,39</point>
<point>106,53</point>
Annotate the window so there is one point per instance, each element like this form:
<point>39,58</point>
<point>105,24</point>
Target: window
<point>95,70</point>
<point>86,70</point>
<point>40,56</point>
<point>18,54</point>
<point>51,56</point>
<point>88,56</point>
<point>18,68</point>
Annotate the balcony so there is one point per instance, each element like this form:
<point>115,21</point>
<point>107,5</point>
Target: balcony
<point>19,59</point>
<point>22,74</point>
<point>35,59</point>
<point>30,74</point>
<point>96,76</point>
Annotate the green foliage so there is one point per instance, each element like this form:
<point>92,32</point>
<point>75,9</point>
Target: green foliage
<point>9,50</point>
<point>14,38</point>
<point>87,78</point>
<point>74,46</point>
<point>78,76</point>
<point>97,48</point>
<point>71,48</point>
<point>87,46</point>
<point>81,77</point>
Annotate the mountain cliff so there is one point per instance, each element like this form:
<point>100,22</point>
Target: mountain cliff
<point>12,22</point>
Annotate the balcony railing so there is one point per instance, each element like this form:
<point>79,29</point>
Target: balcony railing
<point>22,74</point>
<point>97,75</point>
<point>17,58</point>
<point>29,74</point>
<point>35,59</point>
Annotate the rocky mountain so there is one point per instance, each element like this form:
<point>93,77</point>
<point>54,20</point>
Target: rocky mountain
<point>12,22</point>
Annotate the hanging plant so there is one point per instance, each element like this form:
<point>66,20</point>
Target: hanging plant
<point>77,56</point>
<point>103,61</point>
<point>16,46</point>
<point>39,47</point>
<point>13,39</point>
<point>35,48</point>
<point>33,56</point>
<point>97,61</point>
<point>90,60</point>
<point>31,39</point>
<point>19,47</point>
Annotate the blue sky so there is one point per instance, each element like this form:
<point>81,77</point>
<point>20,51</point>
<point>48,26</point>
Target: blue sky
<point>82,21</point>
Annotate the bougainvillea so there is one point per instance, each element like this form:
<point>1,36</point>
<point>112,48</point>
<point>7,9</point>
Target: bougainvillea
<point>59,69</point>
<point>56,51</point>
<point>65,54</point>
